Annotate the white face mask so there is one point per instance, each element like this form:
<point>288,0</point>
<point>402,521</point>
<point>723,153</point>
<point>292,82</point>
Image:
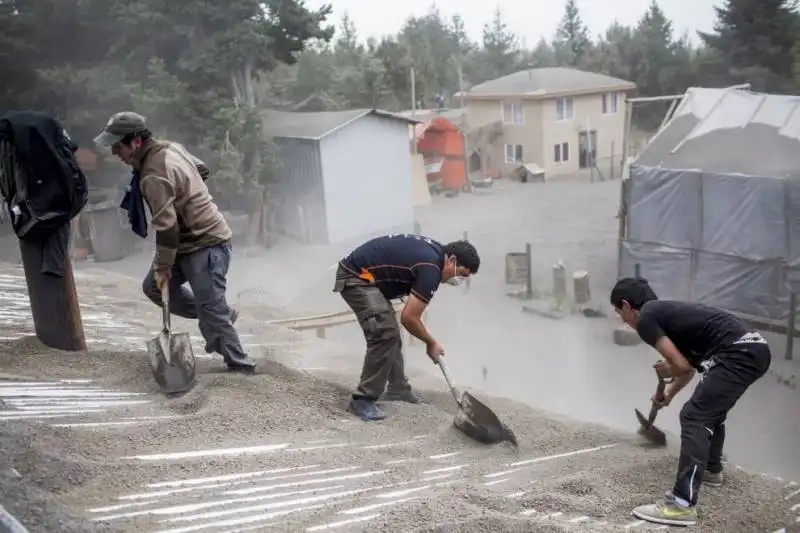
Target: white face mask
<point>455,281</point>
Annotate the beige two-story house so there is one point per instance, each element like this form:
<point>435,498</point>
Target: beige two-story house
<point>559,119</point>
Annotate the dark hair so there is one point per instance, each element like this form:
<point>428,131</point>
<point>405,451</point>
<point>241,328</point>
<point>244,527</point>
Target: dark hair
<point>635,291</point>
<point>466,255</point>
<point>144,135</point>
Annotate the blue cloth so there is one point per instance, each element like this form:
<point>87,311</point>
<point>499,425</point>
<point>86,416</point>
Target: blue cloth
<point>133,203</point>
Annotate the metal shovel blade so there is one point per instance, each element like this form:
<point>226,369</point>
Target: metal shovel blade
<point>172,362</point>
<point>649,431</point>
<point>475,419</point>
<point>478,422</point>
<point>171,356</point>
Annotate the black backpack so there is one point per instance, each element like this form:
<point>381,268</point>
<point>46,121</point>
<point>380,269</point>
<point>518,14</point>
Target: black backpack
<point>40,180</point>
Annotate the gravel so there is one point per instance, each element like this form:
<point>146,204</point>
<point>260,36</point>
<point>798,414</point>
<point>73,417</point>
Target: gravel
<point>61,479</point>
<point>64,472</point>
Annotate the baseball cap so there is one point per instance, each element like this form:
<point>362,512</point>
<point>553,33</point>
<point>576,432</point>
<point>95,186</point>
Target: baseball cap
<point>120,125</point>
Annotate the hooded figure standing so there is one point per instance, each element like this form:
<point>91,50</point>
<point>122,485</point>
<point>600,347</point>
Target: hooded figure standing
<point>192,238</point>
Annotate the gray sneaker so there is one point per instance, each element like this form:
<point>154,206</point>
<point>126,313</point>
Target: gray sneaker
<point>408,396</point>
<point>668,512</point>
<point>713,479</point>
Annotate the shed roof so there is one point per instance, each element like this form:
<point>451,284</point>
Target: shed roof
<point>316,125</point>
<point>730,131</point>
<point>547,82</point>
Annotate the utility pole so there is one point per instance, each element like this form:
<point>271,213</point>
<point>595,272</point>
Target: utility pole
<point>413,92</point>
<point>460,82</point>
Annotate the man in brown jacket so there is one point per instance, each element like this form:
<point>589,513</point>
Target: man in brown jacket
<point>192,238</point>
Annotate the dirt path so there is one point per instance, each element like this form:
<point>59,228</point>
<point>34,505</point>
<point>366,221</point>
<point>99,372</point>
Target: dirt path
<point>88,445</point>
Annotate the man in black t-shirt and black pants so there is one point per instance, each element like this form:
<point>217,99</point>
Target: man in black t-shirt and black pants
<point>693,337</point>
<point>383,269</point>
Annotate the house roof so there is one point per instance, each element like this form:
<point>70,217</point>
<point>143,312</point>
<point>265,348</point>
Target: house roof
<point>730,131</point>
<point>455,114</point>
<point>548,82</point>
<point>316,125</point>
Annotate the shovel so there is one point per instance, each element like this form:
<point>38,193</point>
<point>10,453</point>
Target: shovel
<point>171,356</point>
<point>646,427</point>
<point>475,419</point>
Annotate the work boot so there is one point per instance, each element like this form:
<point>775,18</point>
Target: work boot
<point>366,410</point>
<point>714,479</point>
<point>408,396</point>
<point>667,511</point>
<point>234,316</point>
<point>247,370</point>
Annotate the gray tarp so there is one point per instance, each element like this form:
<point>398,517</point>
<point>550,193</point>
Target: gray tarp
<point>719,239</point>
<point>713,203</point>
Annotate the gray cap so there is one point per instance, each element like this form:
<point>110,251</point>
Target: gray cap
<point>120,125</point>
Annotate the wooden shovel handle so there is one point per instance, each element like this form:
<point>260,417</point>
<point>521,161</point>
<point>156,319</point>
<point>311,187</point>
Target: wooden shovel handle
<point>662,385</point>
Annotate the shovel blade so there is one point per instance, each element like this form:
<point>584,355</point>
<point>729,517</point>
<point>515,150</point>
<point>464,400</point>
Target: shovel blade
<point>649,431</point>
<point>172,362</point>
<point>478,422</point>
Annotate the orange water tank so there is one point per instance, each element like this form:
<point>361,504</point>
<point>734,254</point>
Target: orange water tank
<point>442,140</point>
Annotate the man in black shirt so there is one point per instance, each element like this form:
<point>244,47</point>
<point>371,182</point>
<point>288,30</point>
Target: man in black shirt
<point>383,269</point>
<point>693,337</point>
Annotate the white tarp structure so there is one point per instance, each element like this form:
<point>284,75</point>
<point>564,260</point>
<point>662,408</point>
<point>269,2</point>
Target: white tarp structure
<point>713,203</point>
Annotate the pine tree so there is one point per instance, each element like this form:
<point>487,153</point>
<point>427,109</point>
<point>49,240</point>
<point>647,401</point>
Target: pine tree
<point>756,33</point>
<point>572,42</point>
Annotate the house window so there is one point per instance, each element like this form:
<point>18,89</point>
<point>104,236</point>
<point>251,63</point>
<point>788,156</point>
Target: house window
<point>565,108</point>
<point>561,153</point>
<point>513,113</point>
<point>610,103</point>
<point>513,153</point>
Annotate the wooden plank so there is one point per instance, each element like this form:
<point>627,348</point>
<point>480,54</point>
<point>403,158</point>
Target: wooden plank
<point>327,320</point>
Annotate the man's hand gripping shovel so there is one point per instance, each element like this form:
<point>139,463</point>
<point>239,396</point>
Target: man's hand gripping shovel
<point>646,427</point>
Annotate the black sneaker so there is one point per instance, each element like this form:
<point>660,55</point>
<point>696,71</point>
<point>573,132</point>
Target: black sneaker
<point>366,410</point>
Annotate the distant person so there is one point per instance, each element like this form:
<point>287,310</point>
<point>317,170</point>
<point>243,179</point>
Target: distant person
<point>192,238</point>
<point>693,337</point>
<point>383,269</point>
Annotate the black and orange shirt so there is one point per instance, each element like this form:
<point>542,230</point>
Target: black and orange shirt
<point>399,264</point>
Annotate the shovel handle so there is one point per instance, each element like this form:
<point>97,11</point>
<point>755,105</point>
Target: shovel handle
<point>165,306</point>
<point>662,385</point>
<point>448,379</point>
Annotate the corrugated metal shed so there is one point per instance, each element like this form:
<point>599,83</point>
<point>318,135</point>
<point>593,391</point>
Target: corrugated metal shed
<point>730,131</point>
<point>316,125</point>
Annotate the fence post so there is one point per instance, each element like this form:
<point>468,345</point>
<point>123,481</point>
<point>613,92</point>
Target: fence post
<point>637,271</point>
<point>611,166</point>
<point>790,327</point>
<point>529,274</point>
<point>559,284</point>
<point>417,227</point>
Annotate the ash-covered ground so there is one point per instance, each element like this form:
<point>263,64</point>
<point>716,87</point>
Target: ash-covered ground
<point>277,452</point>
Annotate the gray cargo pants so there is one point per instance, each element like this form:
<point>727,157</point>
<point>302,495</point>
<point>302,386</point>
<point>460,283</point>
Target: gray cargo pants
<point>384,359</point>
<point>203,300</point>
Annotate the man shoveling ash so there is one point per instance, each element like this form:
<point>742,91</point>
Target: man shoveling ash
<point>387,268</point>
<point>192,237</point>
<point>730,356</point>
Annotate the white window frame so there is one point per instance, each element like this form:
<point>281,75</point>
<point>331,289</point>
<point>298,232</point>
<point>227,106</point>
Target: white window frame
<point>513,151</point>
<point>608,100</point>
<point>559,149</point>
<point>565,108</point>
<point>512,112</point>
